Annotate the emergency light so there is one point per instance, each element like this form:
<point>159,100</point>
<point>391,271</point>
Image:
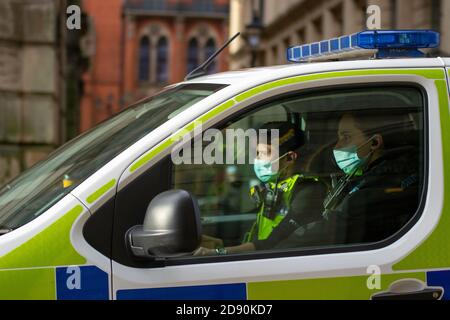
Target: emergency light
<point>383,43</point>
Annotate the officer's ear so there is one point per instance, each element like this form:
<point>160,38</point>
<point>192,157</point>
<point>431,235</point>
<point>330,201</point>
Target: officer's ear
<point>291,156</point>
<point>377,142</point>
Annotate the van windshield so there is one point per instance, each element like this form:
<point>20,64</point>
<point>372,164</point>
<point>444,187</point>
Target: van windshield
<point>41,186</point>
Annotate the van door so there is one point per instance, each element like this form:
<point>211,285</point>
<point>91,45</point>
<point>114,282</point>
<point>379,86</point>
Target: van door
<point>361,238</point>
<point>56,218</point>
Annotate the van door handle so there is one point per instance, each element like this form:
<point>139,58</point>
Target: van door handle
<point>410,289</point>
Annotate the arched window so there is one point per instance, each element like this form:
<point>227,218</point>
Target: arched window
<point>144,59</point>
<point>162,75</point>
<point>192,62</point>
<point>210,48</point>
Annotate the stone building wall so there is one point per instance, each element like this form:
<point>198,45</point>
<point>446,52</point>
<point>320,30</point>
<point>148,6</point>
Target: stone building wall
<point>31,83</point>
<point>293,22</point>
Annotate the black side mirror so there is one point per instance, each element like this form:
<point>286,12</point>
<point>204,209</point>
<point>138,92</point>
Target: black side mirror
<point>171,227</point>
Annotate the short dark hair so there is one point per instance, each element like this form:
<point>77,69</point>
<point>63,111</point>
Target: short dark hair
<point>290,137</point>
<point>396,128</point>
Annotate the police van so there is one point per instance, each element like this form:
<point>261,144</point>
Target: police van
<point>109,215</point>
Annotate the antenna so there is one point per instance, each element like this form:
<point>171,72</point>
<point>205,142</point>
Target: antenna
<point>201,70</point>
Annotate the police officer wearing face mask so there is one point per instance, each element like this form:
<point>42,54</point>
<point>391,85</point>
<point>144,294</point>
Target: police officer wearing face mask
<point>285,198</point>
<point>279,183</point>
<point>378,190</point>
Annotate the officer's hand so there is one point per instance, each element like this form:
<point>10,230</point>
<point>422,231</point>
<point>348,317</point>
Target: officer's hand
<point>204,252</point>
<point>211,242</point>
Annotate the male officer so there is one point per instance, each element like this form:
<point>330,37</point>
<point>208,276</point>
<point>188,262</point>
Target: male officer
<point>285,199</point>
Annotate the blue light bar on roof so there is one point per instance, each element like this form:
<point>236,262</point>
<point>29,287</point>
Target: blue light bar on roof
<point>389,43</point>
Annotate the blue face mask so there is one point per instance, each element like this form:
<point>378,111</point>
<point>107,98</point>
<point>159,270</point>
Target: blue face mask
<point>347,158</point>
<point>263,170</point>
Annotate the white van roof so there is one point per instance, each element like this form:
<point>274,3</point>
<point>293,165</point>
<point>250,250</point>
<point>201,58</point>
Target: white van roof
<point>255,76</point>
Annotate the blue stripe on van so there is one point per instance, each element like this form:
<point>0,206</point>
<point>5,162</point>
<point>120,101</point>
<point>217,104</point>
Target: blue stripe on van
<point>210,292</point>
<point>81,283</point>
<point>440,279</point>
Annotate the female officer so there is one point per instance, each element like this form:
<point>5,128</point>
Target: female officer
<point>379,189</point>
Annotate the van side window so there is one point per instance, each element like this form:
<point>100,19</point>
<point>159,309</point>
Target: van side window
<point>131,205</point>
<point>326,169</point>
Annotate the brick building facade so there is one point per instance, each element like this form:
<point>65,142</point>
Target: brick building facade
<point>137,47</point>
